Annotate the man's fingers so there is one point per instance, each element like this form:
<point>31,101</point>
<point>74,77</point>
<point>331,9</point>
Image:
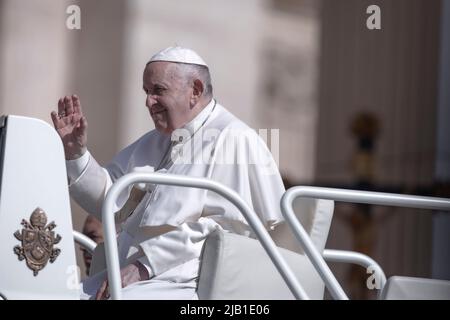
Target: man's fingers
<point>69,105</point>
<point>61,106</point>
<point>102,291</point>
<point>83,124</point>
<point>55,119</point>
<point>81,127</point>
<point>76,105</point>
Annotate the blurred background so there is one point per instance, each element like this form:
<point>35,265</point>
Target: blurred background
<point>356,108</point>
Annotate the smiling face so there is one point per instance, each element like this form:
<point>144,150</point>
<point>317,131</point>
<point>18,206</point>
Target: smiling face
<point>170,97</point>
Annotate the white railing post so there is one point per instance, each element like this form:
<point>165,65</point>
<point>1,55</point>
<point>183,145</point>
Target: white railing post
<point>84,241</point>
<point>351,196</point>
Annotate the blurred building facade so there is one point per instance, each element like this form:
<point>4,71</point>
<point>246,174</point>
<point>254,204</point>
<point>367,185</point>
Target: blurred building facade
<point>393,73</point>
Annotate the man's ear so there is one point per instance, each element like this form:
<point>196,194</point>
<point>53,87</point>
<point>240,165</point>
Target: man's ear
<point>197,91</point>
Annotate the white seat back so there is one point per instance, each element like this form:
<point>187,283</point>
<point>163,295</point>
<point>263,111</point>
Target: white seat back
<point>409,288</point>
<point>33,175</point>
<point>237,267</point>
<point>315,217</point>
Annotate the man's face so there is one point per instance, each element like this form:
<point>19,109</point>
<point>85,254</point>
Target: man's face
<point>168,96</point>
<point>92,229</point>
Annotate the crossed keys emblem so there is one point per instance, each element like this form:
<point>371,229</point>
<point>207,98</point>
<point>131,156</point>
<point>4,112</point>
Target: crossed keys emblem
<point>37,241</point>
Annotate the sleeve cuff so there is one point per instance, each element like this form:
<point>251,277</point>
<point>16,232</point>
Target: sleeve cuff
<point>76,167</point>
<point>144,261</point>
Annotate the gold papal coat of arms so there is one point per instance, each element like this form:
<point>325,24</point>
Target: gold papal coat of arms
<point>37,241</point>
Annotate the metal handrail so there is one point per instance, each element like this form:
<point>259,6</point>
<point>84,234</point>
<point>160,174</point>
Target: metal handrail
<point>352,196</point>
<point>84,241</point>
<point>112,258</point>
<point>331,255</point>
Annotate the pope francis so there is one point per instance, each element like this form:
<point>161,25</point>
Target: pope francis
<point>161,229</point>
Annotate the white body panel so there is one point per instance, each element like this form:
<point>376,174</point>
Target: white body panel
<point>34,175</point>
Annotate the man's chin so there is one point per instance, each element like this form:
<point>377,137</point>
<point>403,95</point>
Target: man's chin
<point>163,129</point>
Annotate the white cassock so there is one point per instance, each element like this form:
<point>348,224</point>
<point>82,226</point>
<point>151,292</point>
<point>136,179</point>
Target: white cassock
<point>167,229</point>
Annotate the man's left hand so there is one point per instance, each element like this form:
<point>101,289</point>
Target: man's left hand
<point>130,274</point>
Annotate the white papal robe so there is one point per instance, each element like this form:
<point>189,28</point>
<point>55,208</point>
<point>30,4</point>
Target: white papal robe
<point>167,229</point>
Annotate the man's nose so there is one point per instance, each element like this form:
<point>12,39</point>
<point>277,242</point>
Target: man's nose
<point>150,100</point>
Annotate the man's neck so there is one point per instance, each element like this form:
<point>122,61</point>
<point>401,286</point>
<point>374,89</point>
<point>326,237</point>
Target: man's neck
<point>199,107</point>
<point>197,122</point>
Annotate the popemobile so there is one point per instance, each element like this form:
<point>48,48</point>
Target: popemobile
<point>38,241</point>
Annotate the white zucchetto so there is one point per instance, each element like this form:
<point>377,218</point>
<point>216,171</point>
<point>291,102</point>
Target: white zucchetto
<point>179,55</point>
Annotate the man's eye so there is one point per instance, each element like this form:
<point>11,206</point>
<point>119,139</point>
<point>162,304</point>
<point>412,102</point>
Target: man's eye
<point>159,90</point>
<point>156,90</point>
